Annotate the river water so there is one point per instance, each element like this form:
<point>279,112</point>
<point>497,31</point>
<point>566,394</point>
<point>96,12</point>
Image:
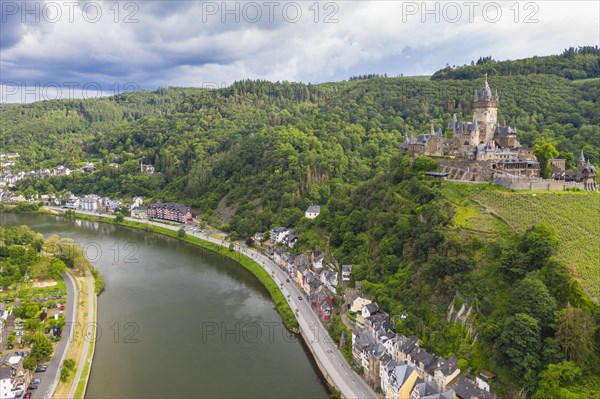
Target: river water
<point>176,321</point>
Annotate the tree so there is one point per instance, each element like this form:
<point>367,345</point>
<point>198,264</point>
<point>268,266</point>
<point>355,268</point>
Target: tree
<point>531,296</point>
<point>544,153</point>
<point>119,218</point>
<point>575,334</point>
<point>181,233</point>
<point>42,348</point>
<point>520,342</point>
<point>560,381</point>
<point>56,268</point>
<point>30,363</point>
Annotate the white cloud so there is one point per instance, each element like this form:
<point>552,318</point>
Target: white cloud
<point>188,43</point>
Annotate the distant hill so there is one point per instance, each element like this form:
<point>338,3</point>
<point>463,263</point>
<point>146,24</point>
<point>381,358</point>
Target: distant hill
<point>573,64</point>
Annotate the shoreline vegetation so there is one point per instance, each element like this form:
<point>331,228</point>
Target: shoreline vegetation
<point>73,362</point>
<point>281,305</point>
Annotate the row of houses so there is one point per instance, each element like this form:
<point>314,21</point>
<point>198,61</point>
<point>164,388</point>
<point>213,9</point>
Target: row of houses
<point>10,179</point>
<point>318,281</point>
<point>9,197</point>
<point>93,203</point>
<point>401,368</point>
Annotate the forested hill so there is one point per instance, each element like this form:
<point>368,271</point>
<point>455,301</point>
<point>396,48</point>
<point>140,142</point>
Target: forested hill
<point>573,63</point>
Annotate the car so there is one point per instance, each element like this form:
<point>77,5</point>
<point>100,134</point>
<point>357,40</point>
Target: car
<point>299,297</point>
<point>62,307</point>
<point>31,387</point>
<point>27,395</point>
<point>10,346</point>
<point>36,381</point>
<point>40,369</point>
<point>26,354</point>
<point>287,280</point>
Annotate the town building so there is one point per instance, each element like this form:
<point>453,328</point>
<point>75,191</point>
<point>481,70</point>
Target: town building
<point>169,211</point>
<point>312,212</point>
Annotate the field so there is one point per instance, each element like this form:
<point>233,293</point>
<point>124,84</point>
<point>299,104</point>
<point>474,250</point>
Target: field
<point>576,216</point>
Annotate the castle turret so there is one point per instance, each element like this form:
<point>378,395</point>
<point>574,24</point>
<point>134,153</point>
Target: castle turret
<point>581,160</point>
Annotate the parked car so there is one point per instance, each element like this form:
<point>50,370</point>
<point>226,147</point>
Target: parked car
<point>36,381</point>
<point>40,369</point>
<point>287,280</point>
<point>10,346</point>
<point>27,395</point>
<point>299,297</point>
<point>31,387</point>
<point>62,307</point>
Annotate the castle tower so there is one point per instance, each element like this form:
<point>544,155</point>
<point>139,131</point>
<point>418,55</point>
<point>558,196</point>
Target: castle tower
<point>581,161</point>
<point>485,112</point>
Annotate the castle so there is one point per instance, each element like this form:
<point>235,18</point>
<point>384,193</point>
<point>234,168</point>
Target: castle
<point>483,150</point>
<point>482,139</point>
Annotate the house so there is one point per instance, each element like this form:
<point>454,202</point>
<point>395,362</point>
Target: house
<point>90,203</point>
<point>424,389</point>
<point>290,240</point>
<point>170,211</point>
<point>421,360</point>
<point>346,272</point>
<point>140,212</point>
<point>374,357</point>
<point>401,346</point>
<point>329,278</point>
<point>386,366</point>
<point>278,234</point>
<point>358,304</point>
<point>466,388</point>
<point>72,203</point>
<point>6,382</point>
<point>400,382</point>
<point>362,343</point>
<point>88,168</point>
<point>311,283</point>
<point>136,202</point>
<point>370,309</point>
<point>301,272</point>
<point>312,212</point>
<point>146,169</point>
<point>324,304</point>
<point>445,371</point>
<point>317,260</point>
<point>300,261</point>
<point>377,322</point>
<point>483,379</point>
<point>61,170</point>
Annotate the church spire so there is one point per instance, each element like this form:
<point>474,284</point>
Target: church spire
<point>581,157</point>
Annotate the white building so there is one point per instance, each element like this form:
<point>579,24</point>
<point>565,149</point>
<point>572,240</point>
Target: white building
<point>313,211</point>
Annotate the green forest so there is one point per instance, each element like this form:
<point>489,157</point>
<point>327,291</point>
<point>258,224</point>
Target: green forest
<point>256,154</point>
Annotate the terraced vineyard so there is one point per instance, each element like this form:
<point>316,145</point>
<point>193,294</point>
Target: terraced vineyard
<point>576,216</point>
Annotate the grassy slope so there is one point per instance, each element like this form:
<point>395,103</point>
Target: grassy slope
<point>488,209</point>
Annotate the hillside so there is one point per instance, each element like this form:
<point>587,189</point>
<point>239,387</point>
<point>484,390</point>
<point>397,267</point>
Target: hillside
<point>575,215</point>
<point>490,211</point>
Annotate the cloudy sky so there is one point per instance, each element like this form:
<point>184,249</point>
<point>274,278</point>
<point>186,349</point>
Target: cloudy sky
<point>53,49</point>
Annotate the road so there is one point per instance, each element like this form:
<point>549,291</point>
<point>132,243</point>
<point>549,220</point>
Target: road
<point>350,384</point>
<point>88,338</point>
<point>51,376</point>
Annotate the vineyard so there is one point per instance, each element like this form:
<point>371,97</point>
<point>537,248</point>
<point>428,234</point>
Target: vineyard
<point>576,216</point>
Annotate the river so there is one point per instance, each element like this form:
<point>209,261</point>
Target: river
<point>177,321</point>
